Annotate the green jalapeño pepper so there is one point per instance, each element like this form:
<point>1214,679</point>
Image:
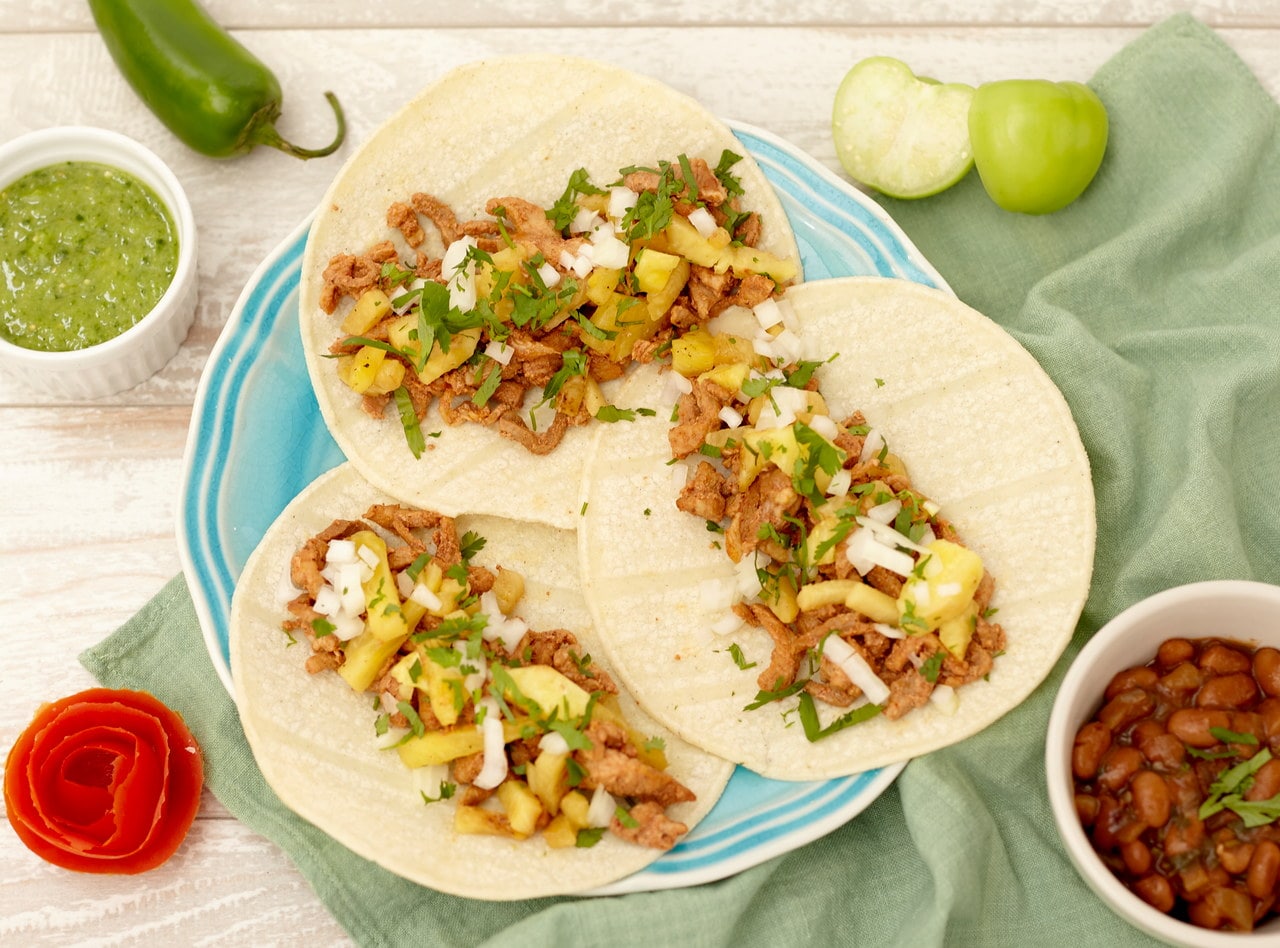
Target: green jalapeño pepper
<point>201,83</point>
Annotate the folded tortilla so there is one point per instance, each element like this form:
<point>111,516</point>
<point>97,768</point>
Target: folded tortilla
<point>984,433</point>
<point>313,737</point>
<point>519,127</point>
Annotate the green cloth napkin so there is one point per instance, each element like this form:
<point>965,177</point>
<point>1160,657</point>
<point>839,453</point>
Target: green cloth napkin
<point>1152,302</point>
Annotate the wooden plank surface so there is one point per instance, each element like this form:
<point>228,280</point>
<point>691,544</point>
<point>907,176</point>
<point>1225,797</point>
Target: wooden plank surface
<point>89,490</point>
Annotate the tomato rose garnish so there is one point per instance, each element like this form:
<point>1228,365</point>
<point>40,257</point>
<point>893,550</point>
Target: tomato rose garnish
<point>104,781</point>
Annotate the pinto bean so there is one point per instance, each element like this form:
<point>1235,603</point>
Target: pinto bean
<point>1192,725</point>
<point>1266,668</point>
<point>1221,659</point>
<point>1125,708</point>
<point>1223,907</point>
<point>1140,677</point>
<point>1183,680</point>
<point>1269,711</point>
<point>1156,891</point>
<point>1184,836</point>
<point>1092,741</point>
<point>1263,869</point>
<point>1174,652</point>
<point>1266,782</point>
<point>1151,799</point>
<point>1234,856</point>
<point>1236,690</point>
<point>1137,857</point>
<point>1086,809</point>
<point>1165,752</point>
<point>1119,764</point>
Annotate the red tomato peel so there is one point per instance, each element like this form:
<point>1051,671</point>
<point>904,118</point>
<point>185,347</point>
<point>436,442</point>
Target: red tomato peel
<point>104,781</point>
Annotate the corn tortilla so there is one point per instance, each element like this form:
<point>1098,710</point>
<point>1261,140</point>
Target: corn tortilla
<point>313,737</point>
<point>520,127</point>
<point>984,433</point>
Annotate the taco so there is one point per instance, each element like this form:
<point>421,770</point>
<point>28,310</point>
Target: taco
<point>864,555</point>
<point>499,252</point>
<point>378,735</point>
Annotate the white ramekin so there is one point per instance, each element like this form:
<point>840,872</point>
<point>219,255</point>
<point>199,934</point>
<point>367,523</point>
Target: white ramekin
<point>1228,609</point>
<point>143,349</point>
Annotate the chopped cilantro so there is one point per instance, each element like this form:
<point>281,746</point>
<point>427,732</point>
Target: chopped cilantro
<point>409,421</point>
<point>814,731</point>
<point>488,387</point>
<point>735,652</point>
<point>932,665</point>
<point>322,627</point>
<point>623,816</point>
<point>588,836</point>
<point>447,790</point>
<point>415,722</point>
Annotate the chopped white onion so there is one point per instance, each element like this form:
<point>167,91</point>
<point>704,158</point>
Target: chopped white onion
<point>945,697</point>
<point>856,667</point>
<point>621,200</point>
<point>702,221</point>
<point>475,678</point>
<point>864,551</point>
<point>404,585</point>
<point>930,508</point>
<point>789,317</point>
<point>389,703</point>
<point>767,313</point>
<point>499,351</point>
<point>673,386</point>
<point>762,343</point>
<point>728,624</point>
<point>607,250</point>
<point>350,589</point>
<point>949,589</point>
<point>824,426</point>
<point>889,536</point>
<point>549,274</point>
<point>328,601</point>
<point>390,738</point>
<point>346,627</point>
<point>730,416</point>
<point>841,481</point>
<point>886,512</point>
<point>788,347</point>
<point>553,742</point>
<point>601,809</point>
<point>511,632</point>
<point>585,221</point>
<point>872,445</point>
<point>679,476</point>
<point>428,779</point>
<point>462,279</point>
<point>494,770</point>
<point>369,557</point>
<point>781,406</point>
<point>888,631</point>
<point>748,578</point>
<point>716,595</point>
<point>340,551</point>
<point>737,322</point>
<point>425,597</point>
<point>409,296</point>
<point>489,606</point>
<point>286,591</point>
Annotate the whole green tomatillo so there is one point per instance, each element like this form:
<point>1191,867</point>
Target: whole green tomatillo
<point>1036,144</point>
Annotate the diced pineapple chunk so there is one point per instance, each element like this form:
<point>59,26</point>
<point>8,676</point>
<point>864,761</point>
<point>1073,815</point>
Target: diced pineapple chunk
<point>522,806</point>
<point>765,446</point>
<point>872,603</point>
<point>743,260</point>
<point>730,377</point>
<point>440,747</point>
<point>693,353</point>
<point>601,283</point>
<point>560,833</point>
<point>372,306</point>
<point>574,806</point>
<point>477,821</point>
<point>653,268</point>
<point>829,592</point>
<point>362,369</point>
<point>780,596</point>
<point>955,633</point>
<point>508,589</point>
<point>548,777</point>
<point>384,617</point>
<point>550,690</point>
<point>660,300</point>
<point>364,657</point>
<point>944,590</point>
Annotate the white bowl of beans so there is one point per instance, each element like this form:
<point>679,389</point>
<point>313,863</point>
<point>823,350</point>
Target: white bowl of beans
<point>1159,764</point>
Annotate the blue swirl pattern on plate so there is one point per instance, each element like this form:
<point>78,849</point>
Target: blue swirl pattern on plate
<point>257,439</point>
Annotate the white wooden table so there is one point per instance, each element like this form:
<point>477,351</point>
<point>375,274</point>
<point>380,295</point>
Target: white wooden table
<point>88,490</point>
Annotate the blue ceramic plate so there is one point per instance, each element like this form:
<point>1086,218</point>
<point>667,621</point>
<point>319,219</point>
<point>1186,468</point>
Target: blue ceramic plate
<point>257,438</point>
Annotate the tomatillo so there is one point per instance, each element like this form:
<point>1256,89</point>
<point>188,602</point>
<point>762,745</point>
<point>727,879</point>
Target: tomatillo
<point>1036,144</point>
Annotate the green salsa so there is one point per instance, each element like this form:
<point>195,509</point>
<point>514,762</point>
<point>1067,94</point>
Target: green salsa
<point>86,250</point>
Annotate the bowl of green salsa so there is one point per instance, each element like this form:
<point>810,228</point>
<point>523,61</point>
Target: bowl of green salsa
<point>97,262</point>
